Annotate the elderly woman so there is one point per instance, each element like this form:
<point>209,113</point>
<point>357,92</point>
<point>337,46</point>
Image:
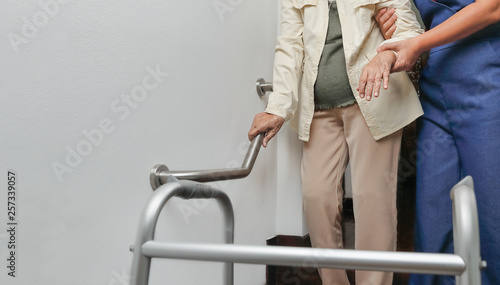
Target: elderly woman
<point>321,52</point>
<point>460,131</point>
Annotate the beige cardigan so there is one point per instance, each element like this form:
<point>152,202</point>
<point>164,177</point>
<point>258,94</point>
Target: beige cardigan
<point>304,25</point>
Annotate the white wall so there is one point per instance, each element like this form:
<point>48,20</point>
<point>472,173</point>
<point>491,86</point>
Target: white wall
<point>69,67</point>
<point>290,218</point>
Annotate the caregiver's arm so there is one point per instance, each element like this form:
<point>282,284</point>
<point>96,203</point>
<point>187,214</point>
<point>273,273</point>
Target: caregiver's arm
<point>467,21</point>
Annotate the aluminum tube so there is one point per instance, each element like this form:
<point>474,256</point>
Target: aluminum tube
<point>411,262</point>
<point>218,174</point>
<point>267,86</point>
<point>253,151</point>
<point>147,224</point>
<point>262,87</point>
<point>466,231</point>
<point>193,190</point>
<point>184,189</point>
<point>206,175</point>
<point>227,233</point>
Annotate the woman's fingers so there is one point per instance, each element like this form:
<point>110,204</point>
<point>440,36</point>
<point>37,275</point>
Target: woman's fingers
<point>375,75</point>
<point>383,15</point>
<point>376,86</point>
<point>265,123</point>
<point>269,135</point>
<point>386,18</point>
<point>256,127</point>
<point>385,77</point>
<point>369,89</point>
<point>391,24</point>
<point>368,83</point>
<point>362,83</point>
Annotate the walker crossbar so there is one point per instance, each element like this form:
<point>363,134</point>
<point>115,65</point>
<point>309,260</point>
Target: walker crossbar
<point>410,262</point>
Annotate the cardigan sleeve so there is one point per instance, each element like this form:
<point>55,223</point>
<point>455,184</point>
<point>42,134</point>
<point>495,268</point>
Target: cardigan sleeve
<point>288,60</point>
<point>407,25</point>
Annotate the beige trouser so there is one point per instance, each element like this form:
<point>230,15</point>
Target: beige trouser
<point>337,136</point>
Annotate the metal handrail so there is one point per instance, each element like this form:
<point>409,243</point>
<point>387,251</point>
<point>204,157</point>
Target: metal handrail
<point>262,86</point>
<point>160,173</point>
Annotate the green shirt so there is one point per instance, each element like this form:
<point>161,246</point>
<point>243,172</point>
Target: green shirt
<point>332,88</point>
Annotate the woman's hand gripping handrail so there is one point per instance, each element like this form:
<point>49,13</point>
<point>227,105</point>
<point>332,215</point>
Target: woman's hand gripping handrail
<point>159,173</point>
